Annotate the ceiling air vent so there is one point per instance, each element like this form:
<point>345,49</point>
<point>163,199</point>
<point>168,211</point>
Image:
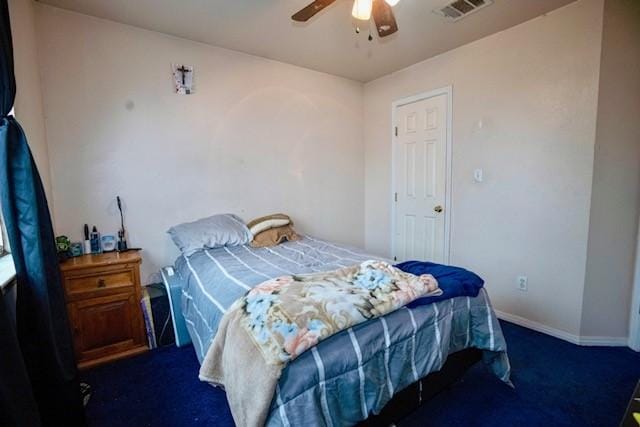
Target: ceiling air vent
<point>460,8</point>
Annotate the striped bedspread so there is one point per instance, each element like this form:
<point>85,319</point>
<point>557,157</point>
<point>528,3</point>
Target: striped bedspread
<point>354,373</point>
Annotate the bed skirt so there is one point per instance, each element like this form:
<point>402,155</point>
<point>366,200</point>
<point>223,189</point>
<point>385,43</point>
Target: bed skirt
<point>410,399</point>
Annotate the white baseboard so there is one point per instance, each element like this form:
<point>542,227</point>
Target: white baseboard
<point>566,336</point>
<point>604,341</point>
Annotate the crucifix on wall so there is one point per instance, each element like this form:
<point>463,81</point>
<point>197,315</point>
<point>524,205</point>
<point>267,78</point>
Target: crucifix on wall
<point>183,79</point>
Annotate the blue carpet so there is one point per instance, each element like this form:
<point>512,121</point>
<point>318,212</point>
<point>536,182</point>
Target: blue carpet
<point>557,384</point>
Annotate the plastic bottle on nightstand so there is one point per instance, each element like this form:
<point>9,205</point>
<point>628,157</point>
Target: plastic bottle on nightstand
<point>95,241</point>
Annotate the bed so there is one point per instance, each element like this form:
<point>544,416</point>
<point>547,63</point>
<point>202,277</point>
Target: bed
<point>351,376</point>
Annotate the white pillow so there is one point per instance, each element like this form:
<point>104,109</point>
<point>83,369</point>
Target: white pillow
<point>212,232</point>
<point>266,225</point>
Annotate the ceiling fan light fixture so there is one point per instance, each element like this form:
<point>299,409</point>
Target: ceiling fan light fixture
<point>362,9</point>
<point>392,2</point>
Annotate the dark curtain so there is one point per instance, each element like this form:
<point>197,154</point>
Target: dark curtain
<point>38,375</point>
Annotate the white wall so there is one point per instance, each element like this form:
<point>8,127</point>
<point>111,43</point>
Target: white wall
<point>28,105</point>
<point>634,317</point>
<point>257,137</point>
<point>615,204</point>
<point>535,88</point>
<point>261,136</point>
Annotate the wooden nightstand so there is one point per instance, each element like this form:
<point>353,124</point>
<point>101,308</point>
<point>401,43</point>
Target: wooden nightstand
<point>103,301</point>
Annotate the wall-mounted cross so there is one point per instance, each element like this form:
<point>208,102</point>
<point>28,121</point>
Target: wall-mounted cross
<point>184,72</point>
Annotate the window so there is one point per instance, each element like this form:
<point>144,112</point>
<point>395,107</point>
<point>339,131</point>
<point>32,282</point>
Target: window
<point>2,250</point>
<point>4,246</point>
<point>7,268</point>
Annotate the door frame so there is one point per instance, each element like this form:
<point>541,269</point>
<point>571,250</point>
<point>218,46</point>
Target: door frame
<point>448,91</point>
<point>634,318</point>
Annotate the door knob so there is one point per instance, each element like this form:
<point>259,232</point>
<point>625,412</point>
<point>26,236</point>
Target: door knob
<point>438,209</point>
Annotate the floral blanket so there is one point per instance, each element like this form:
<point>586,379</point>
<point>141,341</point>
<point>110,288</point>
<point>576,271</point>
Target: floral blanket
<point>281,318</point>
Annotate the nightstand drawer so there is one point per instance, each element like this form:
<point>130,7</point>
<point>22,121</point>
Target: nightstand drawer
<point>97,282</point>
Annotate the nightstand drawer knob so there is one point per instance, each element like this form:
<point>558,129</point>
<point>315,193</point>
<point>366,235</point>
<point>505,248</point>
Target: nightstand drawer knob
<point>101,283</point>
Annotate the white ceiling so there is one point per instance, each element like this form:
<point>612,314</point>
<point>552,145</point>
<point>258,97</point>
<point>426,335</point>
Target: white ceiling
<point>327,42</point>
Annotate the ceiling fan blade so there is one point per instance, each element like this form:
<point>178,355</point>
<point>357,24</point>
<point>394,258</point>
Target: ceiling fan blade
<point>384,19</point>
<point>308,12</point>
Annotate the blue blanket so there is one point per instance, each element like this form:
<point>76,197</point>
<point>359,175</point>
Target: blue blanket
<point>454,281</point>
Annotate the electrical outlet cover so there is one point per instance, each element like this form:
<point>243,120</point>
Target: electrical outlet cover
<point>522,283</point>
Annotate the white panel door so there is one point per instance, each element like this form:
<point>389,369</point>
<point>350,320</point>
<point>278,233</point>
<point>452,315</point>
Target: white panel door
<point>420,152</point>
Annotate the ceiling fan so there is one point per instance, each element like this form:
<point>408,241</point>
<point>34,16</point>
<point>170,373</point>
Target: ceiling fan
<point>363,10</point>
